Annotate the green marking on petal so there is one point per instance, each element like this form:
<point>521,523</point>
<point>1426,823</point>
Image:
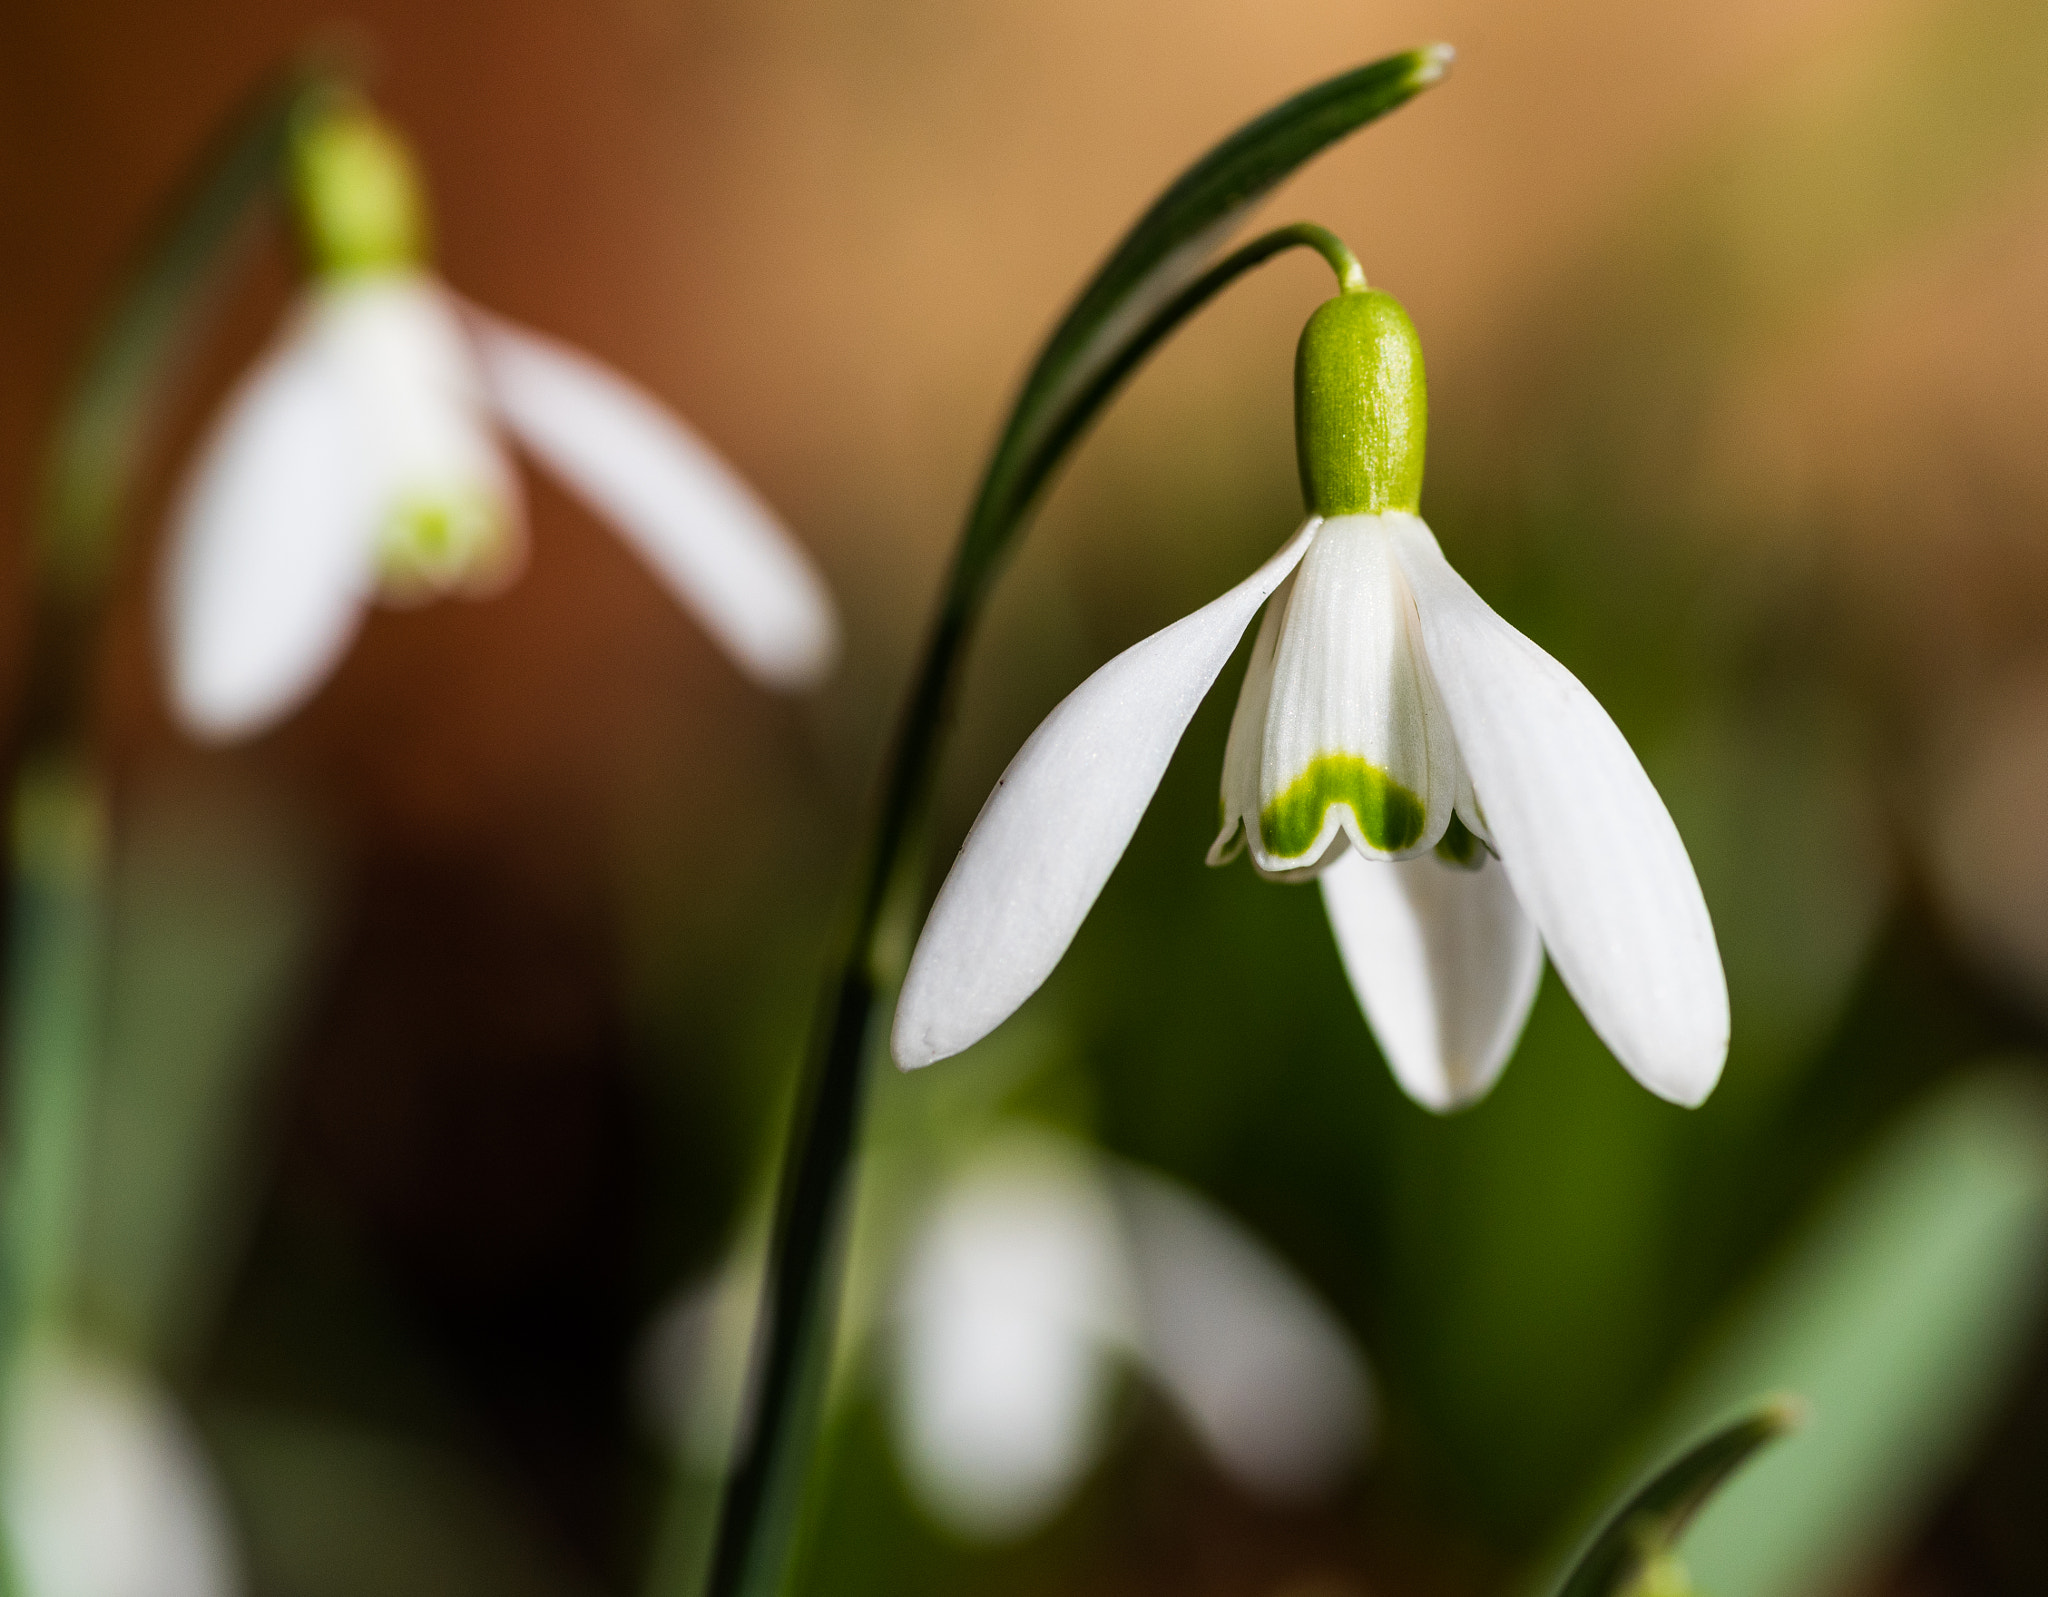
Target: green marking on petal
<point>1390,815</point>
<point>433,542</point>
<point>1459,846</point>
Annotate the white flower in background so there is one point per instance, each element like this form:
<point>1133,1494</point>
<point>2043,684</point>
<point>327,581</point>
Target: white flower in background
<point>107,1493</point>
<point>1462,800</point>
<point>1027,1281</point>
<point>1036,1271</point>
<point>362,459</point>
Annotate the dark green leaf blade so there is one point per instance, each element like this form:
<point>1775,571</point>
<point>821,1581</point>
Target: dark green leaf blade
<point>1656,1514</point>
<point>1165,251</point>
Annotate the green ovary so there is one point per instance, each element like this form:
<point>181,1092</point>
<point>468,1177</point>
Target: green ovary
<point>1390,815</point>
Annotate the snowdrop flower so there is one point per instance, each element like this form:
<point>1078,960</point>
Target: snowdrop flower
<point>1028,1280</point>
<point>1035,1272</point>
<point>362,458</point>
<point>107,1492</point>
<point>1462,801</point>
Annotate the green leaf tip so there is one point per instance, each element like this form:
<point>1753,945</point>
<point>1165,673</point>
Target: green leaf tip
<point>1637,1537</point>
<point>1432,63</point>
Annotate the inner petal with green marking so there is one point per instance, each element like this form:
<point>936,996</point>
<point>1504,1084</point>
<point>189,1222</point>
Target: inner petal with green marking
<point>1390,815</point>
<point>1352,742</point>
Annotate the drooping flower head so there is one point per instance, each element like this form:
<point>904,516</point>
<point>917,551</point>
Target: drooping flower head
<point>1462,801</point>
<point>363,458</point>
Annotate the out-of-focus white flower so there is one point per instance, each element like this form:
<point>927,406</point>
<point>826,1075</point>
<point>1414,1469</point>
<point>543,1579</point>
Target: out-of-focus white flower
<point>1016,1294</point>
<point>107,1493</point>
<point>1043,1265</point>
<point>1463,801</point>
<point>1025,1281</point>
<point>362,458</point>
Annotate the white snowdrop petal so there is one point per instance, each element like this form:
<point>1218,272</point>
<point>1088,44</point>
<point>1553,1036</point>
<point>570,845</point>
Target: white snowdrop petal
<point>1265,1374</point>
<point>1354,738</point>
<point>1057,823</point>
<point>1445,966</point>
<point>1589,847</point>
<point>1247,741</point>
<point>270,551</point>
<point>704,531</point>
<point>1011,1306</point>
<point>107,1492</point>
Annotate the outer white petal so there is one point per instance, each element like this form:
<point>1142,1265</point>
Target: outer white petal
<point>1059,820</point>
<point>271,547</point>
<point>1350,684</point>
<point>1591,850</point>
<point>1264,1372</point>
<point>704,531</point>
<point>1012,1304</point>
<point>107,1493</point>
<point>1445,966</point>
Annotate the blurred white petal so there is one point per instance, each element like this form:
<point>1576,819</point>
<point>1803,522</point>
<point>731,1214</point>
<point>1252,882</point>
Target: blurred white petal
<point>447,514</point>
<point>270,554</point>
<point>107,1493</point>
<point>1059,820</point>
<point>1445,966</point>
<point>1589,847</point>
<point>1013,1301</point>
<point>703,530</point>
<point>1266,1375</point>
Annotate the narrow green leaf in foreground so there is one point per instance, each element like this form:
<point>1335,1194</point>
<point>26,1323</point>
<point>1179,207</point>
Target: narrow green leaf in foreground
<point>1638,1535</point>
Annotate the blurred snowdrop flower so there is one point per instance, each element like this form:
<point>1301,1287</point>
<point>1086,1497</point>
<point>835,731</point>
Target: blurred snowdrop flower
<point>1462,800</point>
<point>1015,1296</point>
<point>1043,1265</point>
<point>362,458</point>
<point>107,1493</point>
<point>1028,1279</point>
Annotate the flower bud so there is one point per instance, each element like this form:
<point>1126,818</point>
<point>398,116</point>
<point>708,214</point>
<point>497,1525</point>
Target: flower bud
<point>1361,408</point>
<point>358,195</point>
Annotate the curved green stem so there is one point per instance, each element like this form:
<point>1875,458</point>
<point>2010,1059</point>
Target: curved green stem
<point>1153,281</point>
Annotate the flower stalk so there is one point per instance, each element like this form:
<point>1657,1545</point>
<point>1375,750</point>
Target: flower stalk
<point>1157,277</point>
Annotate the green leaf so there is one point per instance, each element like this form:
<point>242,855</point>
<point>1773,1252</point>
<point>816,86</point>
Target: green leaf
<point>1116,318</point>
<point>1898,1316</point>
<point>1639,1534</point>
